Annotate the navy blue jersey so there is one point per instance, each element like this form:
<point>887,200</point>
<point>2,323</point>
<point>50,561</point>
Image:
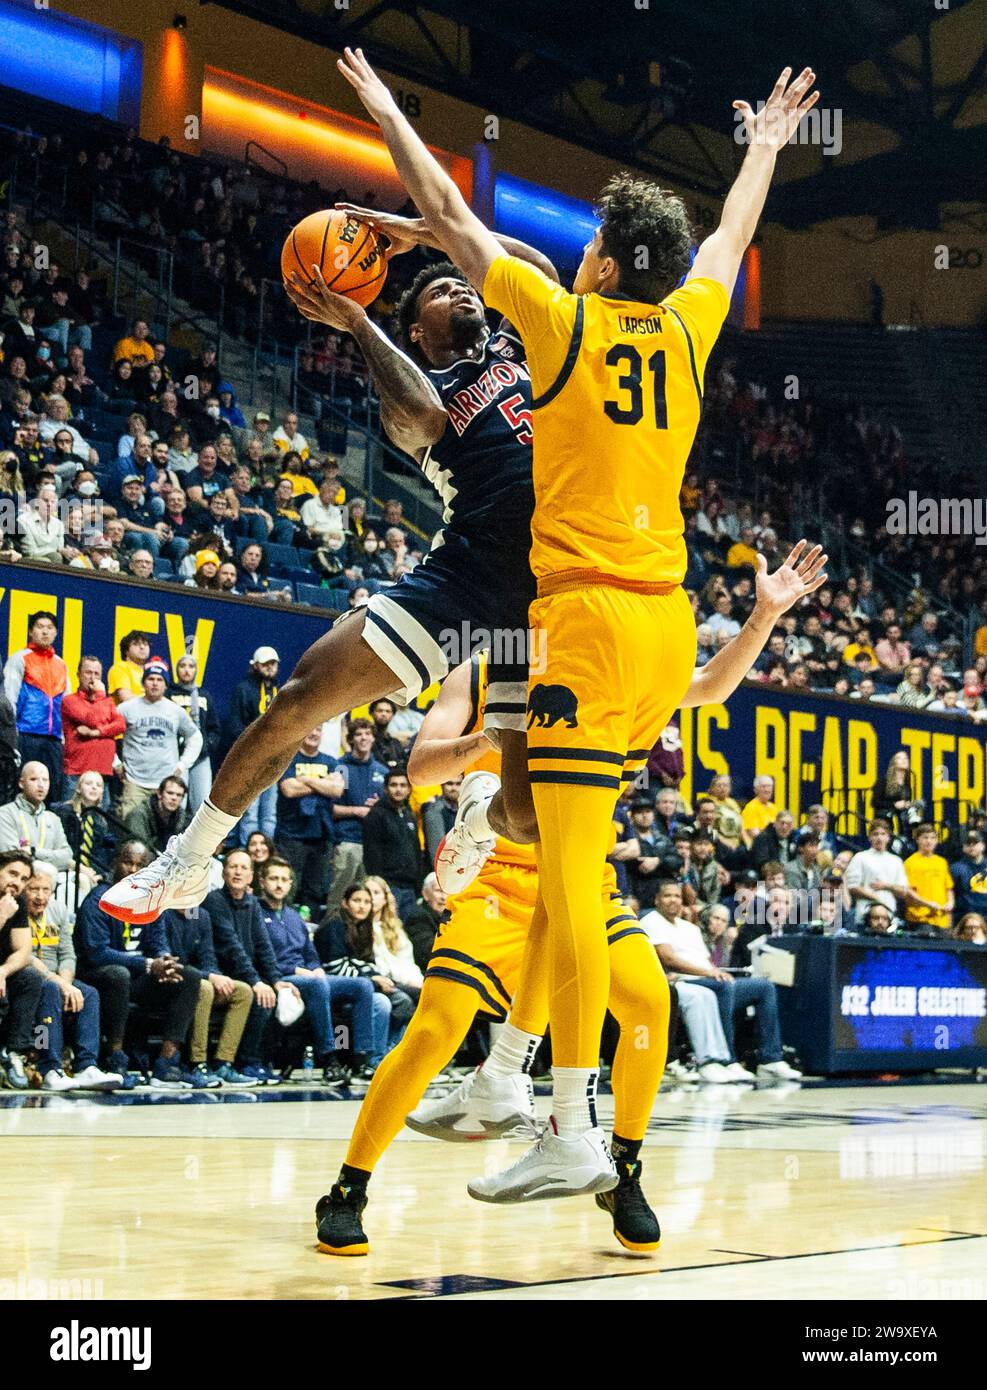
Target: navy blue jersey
<point>481,467</point>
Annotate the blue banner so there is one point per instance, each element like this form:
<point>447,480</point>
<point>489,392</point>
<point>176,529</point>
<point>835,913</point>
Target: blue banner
<point>833,750</point>
<point>94,612</point>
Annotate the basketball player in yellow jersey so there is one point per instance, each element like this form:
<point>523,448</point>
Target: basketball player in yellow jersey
<point>617,373</point>
<point>488,956</point>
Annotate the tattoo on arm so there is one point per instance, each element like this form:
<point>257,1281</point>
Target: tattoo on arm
<point>411,410</point>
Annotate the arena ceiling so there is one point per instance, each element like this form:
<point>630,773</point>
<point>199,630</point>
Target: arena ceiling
<point>652,87</point>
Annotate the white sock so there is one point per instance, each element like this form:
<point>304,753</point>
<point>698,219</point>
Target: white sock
<point>574,1100</point>
<point>206,831</point>
<point>512,1052</point>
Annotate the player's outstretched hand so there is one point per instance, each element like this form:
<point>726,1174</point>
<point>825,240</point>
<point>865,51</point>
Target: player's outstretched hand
<point>801,574</point>
<point>320,304</point>
<point>365,82</point>
<point>777,121</point>
<point>403,233</point>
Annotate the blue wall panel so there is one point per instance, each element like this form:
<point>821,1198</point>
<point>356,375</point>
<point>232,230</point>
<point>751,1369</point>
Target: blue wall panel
<point>70,61</point>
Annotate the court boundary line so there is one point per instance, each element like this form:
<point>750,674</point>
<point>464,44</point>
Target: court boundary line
<point>419,1296</point>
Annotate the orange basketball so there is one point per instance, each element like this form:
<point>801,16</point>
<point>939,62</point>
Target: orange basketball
<point>348,253</point>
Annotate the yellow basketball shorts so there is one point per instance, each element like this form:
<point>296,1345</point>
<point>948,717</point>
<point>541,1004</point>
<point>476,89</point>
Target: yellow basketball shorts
<point>482,943</point>
<point>614,662</point>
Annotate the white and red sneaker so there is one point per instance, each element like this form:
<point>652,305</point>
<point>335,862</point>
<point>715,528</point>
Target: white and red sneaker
<point>462,854</point>
<point>168,882</point>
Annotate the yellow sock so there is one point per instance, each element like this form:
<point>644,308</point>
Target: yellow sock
<point>641,1003</point>
<point>438,1026</point>
<point>575,824</point>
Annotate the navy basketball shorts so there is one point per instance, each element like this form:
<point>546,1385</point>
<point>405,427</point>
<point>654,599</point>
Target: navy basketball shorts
<point>465,598</point>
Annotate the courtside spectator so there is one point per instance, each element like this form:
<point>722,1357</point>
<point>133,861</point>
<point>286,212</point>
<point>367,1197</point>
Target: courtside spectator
<point>776,842</point>
<point>35,680</point>
<point>969,876</point>
<point>760,811</point>
<point>125,678</point>
<point>390,843</point>
<point>20,986</point>
<point>363,783</point>
<point>27,825</point>
<point>244,951</point>
<point>250,700</point>
<point>421,926</point>
<point>188,937</point>
<point>299,964</point>
<point>875,874</point>
<point>802,873</point>
<point>92,725</point>
<point>438,816</point>
<point>160,740</point>
<point>110,958</point>
<point>927,872</point>
<point>200,707</point>
<point>304,825</point>
<point>90,837</point>
<point>387,749</point>
<point>68,1006</point>
<point>681,948</point>
<point>160,816</point>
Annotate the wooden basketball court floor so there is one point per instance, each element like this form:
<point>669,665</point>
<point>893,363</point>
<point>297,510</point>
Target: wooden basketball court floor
<point>773,1193</point>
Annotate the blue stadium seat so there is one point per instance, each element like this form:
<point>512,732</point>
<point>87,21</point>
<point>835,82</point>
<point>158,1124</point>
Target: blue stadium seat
<point>284,556</point>
<point>316,597</point>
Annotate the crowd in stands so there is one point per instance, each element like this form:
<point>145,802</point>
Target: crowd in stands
<point>169,482</point>
<point>320,923</point>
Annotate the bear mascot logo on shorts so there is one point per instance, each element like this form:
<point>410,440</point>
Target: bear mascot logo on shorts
<point>547,704</point>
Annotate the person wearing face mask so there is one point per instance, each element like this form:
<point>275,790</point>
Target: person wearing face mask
<point>368,558</point>
<point>331,560</point>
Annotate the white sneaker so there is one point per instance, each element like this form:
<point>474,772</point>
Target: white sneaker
<point>93,1079</point>
<point>460,856</point>
<point>167,882</point>
<point>779,1071</point>
<point>480,1107</point>
<point>553,1167</point>
<point>713,1071</point>
<point>735,1072</point>
<point>56,1080</point>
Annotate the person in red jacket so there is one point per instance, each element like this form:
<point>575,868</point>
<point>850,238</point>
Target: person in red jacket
<point>91,725</point>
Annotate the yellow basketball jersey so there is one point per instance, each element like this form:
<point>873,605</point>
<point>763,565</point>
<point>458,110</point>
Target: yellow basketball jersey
<point>617,393</point>
<point>505,850</point>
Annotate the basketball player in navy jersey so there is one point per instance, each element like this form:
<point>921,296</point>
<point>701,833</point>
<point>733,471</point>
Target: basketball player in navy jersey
<point>462,409</point>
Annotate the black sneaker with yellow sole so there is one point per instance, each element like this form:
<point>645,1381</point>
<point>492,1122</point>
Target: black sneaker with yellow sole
<point>337,1217</point>
<point>634,1223</point>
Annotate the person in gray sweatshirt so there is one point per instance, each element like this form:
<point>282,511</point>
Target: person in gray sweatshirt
<point>160,739</point>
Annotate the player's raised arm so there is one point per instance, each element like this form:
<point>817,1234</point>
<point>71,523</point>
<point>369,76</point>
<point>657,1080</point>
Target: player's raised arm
<point>410,409</point>
<point>801,574</point>
<point>459,230</point>
<point>767,131</point>
<point>442,751</point>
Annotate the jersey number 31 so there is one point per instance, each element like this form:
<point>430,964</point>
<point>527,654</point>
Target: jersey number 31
<point>630,410</point>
